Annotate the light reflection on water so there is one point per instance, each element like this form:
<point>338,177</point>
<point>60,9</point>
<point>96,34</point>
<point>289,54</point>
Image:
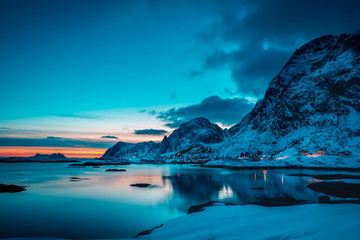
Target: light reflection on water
<point>106,206</point>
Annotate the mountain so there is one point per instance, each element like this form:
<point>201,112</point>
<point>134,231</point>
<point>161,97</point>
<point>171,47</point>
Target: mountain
<point>53,155</point>
<point>189,135</point>
<point>119,149</point>
<point>194,132</point>
<point>312,105</point>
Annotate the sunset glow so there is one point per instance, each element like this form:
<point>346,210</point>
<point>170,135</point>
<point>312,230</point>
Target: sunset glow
<point>67,151</point>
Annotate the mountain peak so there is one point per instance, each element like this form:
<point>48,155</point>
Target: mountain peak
<point>196,131</point>
<point>318,90</point>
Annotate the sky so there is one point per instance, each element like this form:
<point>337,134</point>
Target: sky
<point>84,74</point>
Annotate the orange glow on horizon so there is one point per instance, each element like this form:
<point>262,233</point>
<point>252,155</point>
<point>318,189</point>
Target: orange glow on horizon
<point>69,152</point>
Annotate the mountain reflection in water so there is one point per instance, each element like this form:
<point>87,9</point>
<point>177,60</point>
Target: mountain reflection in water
<point>102,204</point>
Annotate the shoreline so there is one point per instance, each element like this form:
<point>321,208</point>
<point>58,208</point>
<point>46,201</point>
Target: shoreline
<point>282,167</point>
<point>247,221</point>
<point>39,161</point>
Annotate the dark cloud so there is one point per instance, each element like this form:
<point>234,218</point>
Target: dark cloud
<point>172,96</point>
<point>53,142</point>
<point>150,132</point>
<point>52,137</point>
<point>227,111</point>
<point>111,137</point>
<point>263,34</point>
<point>152,112</point>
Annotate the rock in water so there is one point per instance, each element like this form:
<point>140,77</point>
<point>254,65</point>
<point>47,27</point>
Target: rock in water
<point>337,189</point>
<point>10,188</point>
<point>141,185</point>
<point>323,199</point>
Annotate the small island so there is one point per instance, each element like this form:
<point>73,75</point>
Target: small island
<point>41,158</point>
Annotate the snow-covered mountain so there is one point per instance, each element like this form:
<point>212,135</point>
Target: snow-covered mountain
<point>189,135</point>
<point>118,149</point>
<point>194,132</point>
<point>313,104</point>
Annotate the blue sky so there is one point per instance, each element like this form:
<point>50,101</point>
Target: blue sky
<point>87,69</point>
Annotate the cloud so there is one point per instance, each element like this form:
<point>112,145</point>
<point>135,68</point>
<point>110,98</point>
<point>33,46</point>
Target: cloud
<point>9,131</point>
<point>254,39</point>
<point>172,96</point>
<point>150,132</point>
<point>152,112</point>
<point>111,137</point>
<point>81,116</point>
<point>52,137</point>
<point>53,142</point>
<point>227,111</point>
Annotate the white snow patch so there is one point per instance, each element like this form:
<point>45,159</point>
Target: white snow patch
<point>312,222</point>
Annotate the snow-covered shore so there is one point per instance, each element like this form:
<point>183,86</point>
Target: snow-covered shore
<point>317,162</point>
<point>248,222</point>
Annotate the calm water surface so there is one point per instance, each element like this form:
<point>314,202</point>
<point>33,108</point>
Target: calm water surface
<point>105,205</point>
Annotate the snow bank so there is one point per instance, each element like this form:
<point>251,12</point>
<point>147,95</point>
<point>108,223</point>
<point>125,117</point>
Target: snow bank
<point>321,161</point>
<point>312,221</point>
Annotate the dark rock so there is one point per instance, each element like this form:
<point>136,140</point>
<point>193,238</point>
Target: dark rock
<point>10,188</point>
<point>337,189</point>
<point>115,170</point>
<point>323,199</point>
<point>278,201</point>
<point>93,164</point>
<point>258,188</point>
<point>75,179</point>
<point>141,185</point>
<point>147,232</point>
<point>201,207</point>
<point>352,201</point>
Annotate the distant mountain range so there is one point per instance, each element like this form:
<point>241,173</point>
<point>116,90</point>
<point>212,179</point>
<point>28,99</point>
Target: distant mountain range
<point>312,105</point>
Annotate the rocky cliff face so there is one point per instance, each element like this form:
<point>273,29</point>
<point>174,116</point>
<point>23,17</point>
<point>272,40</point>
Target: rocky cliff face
<point>313,103</point>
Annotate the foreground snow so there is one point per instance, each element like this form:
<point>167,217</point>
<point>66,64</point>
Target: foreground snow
<point>312,221</point>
